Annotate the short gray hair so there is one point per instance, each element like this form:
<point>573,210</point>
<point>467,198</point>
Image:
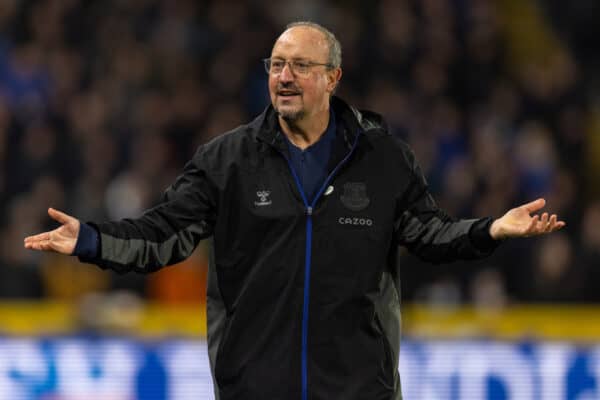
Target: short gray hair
<point>335,48</point>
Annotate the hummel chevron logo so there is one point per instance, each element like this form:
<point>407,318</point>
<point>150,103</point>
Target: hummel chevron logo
<point>263,198</point>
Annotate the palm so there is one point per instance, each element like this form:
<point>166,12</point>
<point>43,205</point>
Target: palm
<point>518,222</point>
<point>60,240</point>
<point>65,237</point>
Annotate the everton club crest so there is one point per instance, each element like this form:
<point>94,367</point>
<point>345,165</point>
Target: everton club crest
<point>355,196</point>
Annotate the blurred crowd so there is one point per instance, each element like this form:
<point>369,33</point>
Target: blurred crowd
<point>101,104</point>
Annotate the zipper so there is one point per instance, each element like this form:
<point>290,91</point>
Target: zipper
<point>308,253</point>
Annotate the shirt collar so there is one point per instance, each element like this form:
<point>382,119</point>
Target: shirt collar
<point>349,122</point>
<point>328,136</point>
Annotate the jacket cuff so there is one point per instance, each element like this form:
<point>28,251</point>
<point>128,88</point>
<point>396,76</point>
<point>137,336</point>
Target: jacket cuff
<point>87,244</point>
<point>480,235</point>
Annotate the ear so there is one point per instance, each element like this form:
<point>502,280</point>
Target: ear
<point>333,78</point>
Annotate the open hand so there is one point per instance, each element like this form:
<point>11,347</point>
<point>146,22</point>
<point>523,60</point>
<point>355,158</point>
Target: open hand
<point>60,240</point>
<point>518,222</point>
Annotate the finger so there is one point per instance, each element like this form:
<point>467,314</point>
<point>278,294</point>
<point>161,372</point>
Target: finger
<point>38,237</point>
<point>558,225</point>
<point>41,245</point>
<point>543,224</point>
<point>534,205</point>
<point>532,225</point>
<point>551,223</point>
<point>551,226</point>
<point>59,216</point>
<point>539,225</point>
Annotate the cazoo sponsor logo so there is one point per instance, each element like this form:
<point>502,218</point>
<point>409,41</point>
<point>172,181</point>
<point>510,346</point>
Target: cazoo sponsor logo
<point>355,221</point>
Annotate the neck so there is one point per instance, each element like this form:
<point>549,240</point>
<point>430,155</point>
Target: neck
<point>307,131</point>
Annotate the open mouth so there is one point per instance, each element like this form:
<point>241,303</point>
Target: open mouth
<point>287,93</point>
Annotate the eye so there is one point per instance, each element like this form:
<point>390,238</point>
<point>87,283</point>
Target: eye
<point>301,66</point>
<point>277,64</point>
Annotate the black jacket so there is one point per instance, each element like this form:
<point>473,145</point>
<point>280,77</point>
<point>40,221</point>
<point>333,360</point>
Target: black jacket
<point>303,299</point>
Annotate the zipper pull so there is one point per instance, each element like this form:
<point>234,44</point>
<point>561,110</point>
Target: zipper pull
<point>309,211</point>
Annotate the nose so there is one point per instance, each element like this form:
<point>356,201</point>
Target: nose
<point>286,74</point>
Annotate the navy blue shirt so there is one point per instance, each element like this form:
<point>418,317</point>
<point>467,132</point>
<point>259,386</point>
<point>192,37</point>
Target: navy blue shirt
<point>311,163</point>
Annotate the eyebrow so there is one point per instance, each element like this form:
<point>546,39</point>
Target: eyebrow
<point>290,59</point>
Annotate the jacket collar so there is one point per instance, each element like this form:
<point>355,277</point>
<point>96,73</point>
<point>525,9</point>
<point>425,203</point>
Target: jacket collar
<point>350,122</point>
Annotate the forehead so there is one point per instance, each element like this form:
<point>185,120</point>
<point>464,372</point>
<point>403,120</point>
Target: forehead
<point>301,42</point>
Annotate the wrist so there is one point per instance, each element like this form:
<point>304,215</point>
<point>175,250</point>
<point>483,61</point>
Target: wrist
<point>86,245</point>
<point>495,230</point>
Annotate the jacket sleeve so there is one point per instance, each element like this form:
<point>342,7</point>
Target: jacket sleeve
<point>165,234</point>
<point>431,234</point>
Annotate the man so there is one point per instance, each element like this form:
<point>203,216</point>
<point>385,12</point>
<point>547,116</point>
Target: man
<point>307,205</point>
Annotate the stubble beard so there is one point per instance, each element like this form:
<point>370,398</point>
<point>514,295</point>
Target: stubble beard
<point>291,116</point>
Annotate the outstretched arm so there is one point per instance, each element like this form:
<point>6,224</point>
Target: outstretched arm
<point>518,222</point>
<point>436,237</point>
<point>60,240</point>
<point>162,235</point>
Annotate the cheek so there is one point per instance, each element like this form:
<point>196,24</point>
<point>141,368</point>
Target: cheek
<point>272,86</point>
<point>312,92</point>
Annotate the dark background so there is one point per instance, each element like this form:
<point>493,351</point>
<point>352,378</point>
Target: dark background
<point>102,102</point>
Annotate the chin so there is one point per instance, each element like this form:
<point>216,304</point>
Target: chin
<point>290,114</point>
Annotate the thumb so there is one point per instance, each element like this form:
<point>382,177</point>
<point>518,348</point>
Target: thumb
<point>534,205</point>
<point>59,216</point>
